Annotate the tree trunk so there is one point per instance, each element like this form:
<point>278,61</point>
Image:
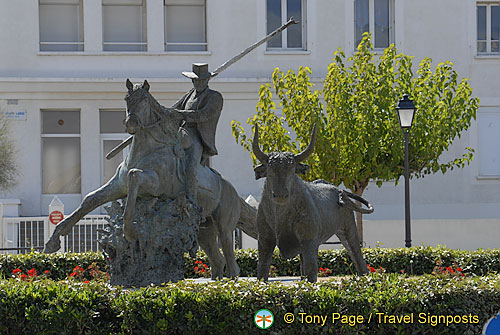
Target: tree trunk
<point>359,216</point>
<point>359,223</point>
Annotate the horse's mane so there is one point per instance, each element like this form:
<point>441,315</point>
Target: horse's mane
<point>140,93</point>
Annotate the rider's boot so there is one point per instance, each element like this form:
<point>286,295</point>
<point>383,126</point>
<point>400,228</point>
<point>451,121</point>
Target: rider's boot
<point>191,190</point>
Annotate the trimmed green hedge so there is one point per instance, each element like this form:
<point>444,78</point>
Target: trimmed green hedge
<point>413,261</point>
<point>228,307</point>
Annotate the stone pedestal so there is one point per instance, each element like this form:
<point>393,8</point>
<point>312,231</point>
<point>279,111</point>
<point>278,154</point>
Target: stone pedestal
<point>165,230</point>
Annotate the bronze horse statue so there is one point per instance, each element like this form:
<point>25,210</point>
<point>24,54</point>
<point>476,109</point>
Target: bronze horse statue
<point>154,168</point>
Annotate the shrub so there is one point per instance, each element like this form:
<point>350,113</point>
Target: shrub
<point>48,307</point>
<point>412,261</point>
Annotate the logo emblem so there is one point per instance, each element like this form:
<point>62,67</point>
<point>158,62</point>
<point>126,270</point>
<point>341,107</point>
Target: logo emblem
<point>492,327</point>
<point>263,319</point>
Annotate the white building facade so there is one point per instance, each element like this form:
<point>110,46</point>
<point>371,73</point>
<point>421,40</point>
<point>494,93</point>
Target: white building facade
<point>63,66</point>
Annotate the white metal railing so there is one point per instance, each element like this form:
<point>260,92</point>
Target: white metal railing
<point>85,234</point>
<point>20,234</point>
<point>24,232</point>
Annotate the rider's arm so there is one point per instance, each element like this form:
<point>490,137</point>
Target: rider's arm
<point>179,102</point>
<point>207,112</point>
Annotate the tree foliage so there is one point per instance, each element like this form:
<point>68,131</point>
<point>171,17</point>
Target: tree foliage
<point>8,167</point>
<point>359,137</point>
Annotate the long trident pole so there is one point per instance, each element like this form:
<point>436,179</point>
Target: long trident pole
<point>252,47</point>
<point>218,70</point>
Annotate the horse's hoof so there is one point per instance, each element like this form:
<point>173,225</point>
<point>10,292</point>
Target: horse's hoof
<point>52,245</point>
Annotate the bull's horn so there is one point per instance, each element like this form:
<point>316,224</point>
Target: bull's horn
<point>255,147</point>
<point>310,148</point>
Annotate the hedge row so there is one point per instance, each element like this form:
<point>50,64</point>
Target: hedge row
<point>226,307</point>
<point>413,261</point>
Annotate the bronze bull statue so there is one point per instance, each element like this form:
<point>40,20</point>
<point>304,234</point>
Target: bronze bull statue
<point>299,216</point>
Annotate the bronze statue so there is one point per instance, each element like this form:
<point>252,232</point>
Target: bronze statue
<point>200,109</point>
<point>298,216</point>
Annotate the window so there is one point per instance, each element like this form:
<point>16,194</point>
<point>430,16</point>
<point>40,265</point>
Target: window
<point>488,28</point>
<point>377,18</point>
<point>488,119</point>
<point>124,25</point>
<point>185,25</point>
<point>61,173</point>
<point>61,25</point>
<point>278,13</point>
<point>112,133</point>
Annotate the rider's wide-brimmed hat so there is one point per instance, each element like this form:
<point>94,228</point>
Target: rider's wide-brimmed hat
<point>200,71</point>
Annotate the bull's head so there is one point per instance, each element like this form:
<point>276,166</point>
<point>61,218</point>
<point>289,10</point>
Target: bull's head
<point>280,167</point>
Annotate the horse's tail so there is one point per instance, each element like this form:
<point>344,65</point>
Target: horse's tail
<point>248,219</point>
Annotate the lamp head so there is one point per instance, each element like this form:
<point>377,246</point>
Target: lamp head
<point>406,111</point>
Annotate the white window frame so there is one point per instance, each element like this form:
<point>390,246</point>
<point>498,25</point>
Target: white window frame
<point>371,24</point>
<point>143,30</point>
<point>284,34</point>
<point>488,29</point>
<point>112,137</point>
<point>183,3</point>
<point>79,25</point>
<point>55,135</point>
<point>482,153</point>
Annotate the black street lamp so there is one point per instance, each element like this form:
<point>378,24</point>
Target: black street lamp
<point>406,111</point>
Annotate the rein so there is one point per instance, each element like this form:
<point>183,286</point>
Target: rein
<point>149,127</point>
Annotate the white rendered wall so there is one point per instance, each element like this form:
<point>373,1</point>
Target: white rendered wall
<point>92,80</point>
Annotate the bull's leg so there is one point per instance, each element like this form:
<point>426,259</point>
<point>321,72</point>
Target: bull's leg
<point>266,248</point>
<point>137,178</point>
<point>207,239</point>
<point>108,192</point>
<point>309,260</point>
<point>266,244</point>
<point>351,241</point>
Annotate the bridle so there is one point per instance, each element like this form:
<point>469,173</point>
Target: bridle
<point>133,100</point>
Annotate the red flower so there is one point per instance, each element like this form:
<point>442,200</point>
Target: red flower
<point>16,271</point>
<point>32,272</point>
<point>202,270</point>
<point>459,269</point>
<point>449,269</point>
<point>23,276</point>
<point>195,268</point>
<point>47,272</point>
<point>72,274</point>
<point>86,281</point>
<point>372,269</point>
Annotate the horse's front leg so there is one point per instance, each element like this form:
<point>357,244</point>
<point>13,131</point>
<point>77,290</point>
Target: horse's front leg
<point>110,191</point>
<point>136,178</point>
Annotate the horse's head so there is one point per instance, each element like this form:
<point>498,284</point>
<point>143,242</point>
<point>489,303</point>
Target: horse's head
<point>140,113</point>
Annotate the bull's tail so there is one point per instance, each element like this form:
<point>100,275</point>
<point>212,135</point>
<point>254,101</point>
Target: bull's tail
<point>248,219</point>
<point>350,204</point>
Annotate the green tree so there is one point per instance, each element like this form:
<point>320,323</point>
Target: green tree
<point>359,137</point>
<point>8,167</point>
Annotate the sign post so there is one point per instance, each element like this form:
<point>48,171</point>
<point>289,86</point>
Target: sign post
<point>56,215</point>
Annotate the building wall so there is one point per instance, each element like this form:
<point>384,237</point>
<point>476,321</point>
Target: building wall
<point>92,80</point>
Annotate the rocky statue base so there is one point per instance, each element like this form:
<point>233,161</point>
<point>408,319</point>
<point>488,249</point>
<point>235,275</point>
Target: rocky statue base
<point>164,231</point>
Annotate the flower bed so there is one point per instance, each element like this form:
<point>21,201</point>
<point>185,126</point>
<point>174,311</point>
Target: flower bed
<point>412,261</point>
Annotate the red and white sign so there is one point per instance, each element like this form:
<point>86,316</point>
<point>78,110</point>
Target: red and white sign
<point>55,217</point>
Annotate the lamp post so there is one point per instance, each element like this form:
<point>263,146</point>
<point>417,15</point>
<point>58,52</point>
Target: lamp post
<point>406,111</point>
